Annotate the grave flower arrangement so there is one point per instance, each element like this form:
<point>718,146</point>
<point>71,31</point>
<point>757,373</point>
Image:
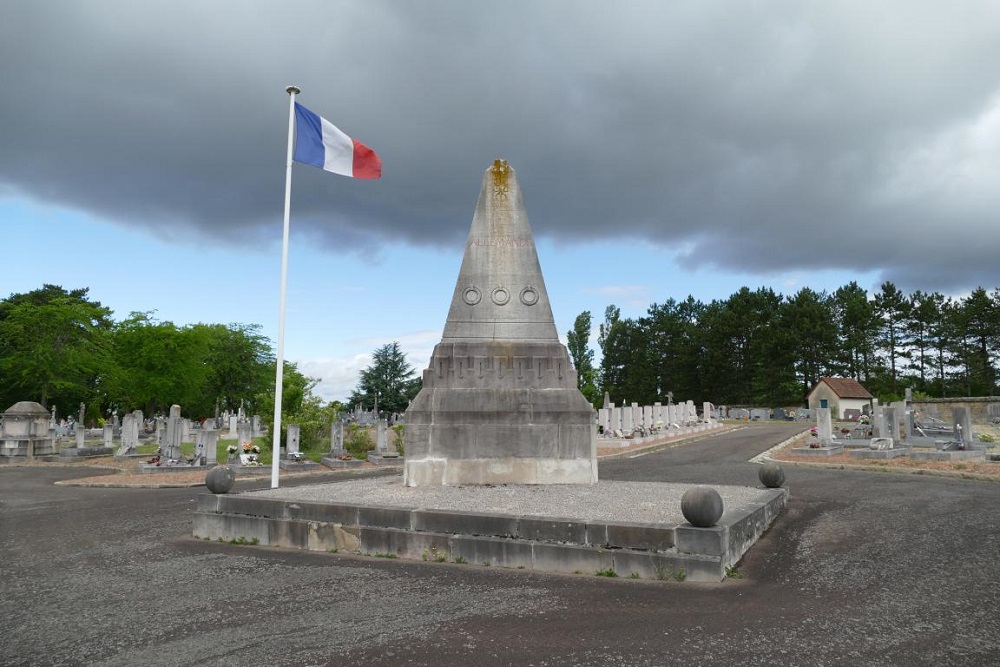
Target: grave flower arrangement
<point>252,452</point>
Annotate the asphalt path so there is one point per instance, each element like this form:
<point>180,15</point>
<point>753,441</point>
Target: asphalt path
<point>862,569</point>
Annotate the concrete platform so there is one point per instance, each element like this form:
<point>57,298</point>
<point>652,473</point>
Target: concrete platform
<point>632,528</point>
<point>70,454</point>
<point>818,451</point>
<point>153,469</point>
<point>390,461</point>
<point>957,455</point>
<point>883,454</point>
<point>297,466</point>
<point>335,463</point>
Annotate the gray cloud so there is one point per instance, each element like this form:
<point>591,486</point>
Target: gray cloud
<point>755,137</point>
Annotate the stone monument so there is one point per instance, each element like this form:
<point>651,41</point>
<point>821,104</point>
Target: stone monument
<point>24,431</point>
<point>499,403</point>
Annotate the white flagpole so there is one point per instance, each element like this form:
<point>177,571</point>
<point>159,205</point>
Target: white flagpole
<point>280,361</point>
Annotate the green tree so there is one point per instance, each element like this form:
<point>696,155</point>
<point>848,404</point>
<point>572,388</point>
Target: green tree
<point>922,327</point>
<point>54,347</point>
<point>583,357</point>
<point>979,325</point>
<point>388,380</point>
<point>892,308</point>
<point>857,325</point>
<point>240,362</point>
<point>160,365</point>
<point>675,347</point>
<point>809,334</point>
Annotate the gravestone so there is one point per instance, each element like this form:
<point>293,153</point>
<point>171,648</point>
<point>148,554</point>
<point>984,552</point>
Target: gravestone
<point>499,402</point>
<point>130,434</point>
<point>292,432</point>
<point>627,424</point>
<point>337,438</point>
<point>108,432</point>
<point>824,427</point>
<point>81,430</point>
<point>381,438</point>
<point>233,423</point>
<point>210,442</point>
<point>172,439</point>
<point>255,430</point>
<point>962,428</point>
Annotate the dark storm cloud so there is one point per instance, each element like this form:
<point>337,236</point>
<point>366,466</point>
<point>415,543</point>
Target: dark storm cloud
<point>756,137</point>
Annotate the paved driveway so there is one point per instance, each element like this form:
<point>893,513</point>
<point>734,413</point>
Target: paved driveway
<point>862,569</point>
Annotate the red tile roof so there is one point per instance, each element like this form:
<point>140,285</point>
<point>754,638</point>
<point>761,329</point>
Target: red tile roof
<point>845,387</point>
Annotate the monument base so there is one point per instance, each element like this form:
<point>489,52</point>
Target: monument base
<point>551,528</point>
<point>457,472</point>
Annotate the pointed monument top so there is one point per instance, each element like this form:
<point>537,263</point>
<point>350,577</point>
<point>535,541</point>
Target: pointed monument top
<point>500,293</point>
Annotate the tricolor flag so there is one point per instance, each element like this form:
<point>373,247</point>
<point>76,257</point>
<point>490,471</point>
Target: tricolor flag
<point>318,142</point>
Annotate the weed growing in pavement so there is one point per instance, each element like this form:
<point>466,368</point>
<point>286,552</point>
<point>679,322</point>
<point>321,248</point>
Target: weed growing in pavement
<point>680,575</point>
<point>610,572</point>
<point>460,560</point>
<point>634,575</point>
<point>733,573</point>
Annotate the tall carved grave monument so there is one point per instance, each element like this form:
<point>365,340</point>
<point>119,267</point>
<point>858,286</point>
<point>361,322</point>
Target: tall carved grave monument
<point>499,403</point>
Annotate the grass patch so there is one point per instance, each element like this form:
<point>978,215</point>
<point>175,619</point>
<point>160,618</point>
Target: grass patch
<point>610,572</point>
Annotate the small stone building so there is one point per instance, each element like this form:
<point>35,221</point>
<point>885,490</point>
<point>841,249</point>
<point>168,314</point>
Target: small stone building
<point>840,395</point>
<point>25,431</point>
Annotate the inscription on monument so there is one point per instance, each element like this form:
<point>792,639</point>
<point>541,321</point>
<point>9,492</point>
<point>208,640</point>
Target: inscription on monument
<point>501,242</point>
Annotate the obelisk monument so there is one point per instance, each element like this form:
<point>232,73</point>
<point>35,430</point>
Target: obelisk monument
<point>499,403</point>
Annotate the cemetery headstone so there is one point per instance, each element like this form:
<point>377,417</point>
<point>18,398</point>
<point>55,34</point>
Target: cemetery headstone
<point>292,432</point>
<point>172,445</point>
<point>824,425</point>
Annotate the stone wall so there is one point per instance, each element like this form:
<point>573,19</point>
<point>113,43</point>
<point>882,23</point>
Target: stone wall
<point>941,408</point>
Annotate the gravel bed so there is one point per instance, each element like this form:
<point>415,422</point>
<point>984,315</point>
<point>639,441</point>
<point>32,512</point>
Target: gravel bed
<point>617,501</point>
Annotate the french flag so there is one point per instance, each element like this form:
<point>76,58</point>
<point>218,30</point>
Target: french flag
<point>318,142</point>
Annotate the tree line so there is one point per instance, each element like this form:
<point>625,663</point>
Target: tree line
<point>61,348</point>
<point>763,348</point>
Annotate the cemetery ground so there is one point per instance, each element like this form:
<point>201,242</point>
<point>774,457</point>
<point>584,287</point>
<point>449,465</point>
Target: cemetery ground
<point>861,569</point>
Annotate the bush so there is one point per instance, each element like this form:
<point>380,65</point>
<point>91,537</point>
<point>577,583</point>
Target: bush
<point>400,431</point>
<point>358,440</point>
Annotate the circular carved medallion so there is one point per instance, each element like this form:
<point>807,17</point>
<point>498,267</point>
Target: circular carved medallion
<point>472,296</point>
<point>529,296</point>
<point>500,296</point>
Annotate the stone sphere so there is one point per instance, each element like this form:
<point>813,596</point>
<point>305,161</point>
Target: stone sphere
<point>220,479</point>
<point>771,475</point>
<point>701,506</point>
